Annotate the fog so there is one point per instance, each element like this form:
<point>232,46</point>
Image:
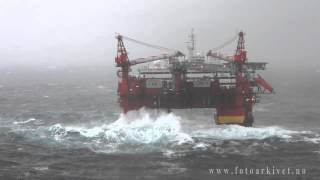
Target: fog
<point>49,33</point>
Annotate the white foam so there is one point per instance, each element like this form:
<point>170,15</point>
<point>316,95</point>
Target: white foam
<point>200,145</point>
<point>315,140</point>
<point>240,133</point>
<point>143,130</point>
<point>58,132</point>
<point>24,122</point>
<point>139,132</point>
<point>168,153</point>
<point>41,168</point>
<point>165,128</point>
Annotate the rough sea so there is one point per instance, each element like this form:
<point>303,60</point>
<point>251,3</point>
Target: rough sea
<point>65,123</point>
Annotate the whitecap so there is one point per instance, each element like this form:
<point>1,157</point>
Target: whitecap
<point>24,122</point>
<point>141,130</point>
<point>200,145</point>
<point>41,168</point>
<point>315,140</point>
<point>168,153</point>
<point>236,132</point>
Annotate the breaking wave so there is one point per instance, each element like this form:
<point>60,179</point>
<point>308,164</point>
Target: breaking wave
<point>143,132</point>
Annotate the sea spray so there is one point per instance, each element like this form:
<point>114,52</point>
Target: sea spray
<point>147,131</point>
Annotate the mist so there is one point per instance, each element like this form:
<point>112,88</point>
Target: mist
<point>73,33</point>
<point>63,115</point>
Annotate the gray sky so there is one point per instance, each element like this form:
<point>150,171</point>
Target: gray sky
<point>68,32</point>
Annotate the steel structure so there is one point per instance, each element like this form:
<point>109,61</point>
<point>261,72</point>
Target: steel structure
<point>229,84</point>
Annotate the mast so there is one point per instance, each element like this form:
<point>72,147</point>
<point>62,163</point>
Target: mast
<point>191,45</point>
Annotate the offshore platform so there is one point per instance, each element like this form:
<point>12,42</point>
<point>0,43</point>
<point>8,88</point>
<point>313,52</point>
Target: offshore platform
<point>229,84</point>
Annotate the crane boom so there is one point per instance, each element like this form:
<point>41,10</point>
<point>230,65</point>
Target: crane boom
<point>259,80</point>
<point>219,56</point>
<point>155,58</point>
<point>147,44</point>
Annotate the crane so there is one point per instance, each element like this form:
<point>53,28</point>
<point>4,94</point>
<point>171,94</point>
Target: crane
<point>156,58</point>
<point>241,64</point>
<point>219,56</point>
<point>122,55</point>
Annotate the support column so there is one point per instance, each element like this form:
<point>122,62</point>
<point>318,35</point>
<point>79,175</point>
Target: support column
<point>235,105</point>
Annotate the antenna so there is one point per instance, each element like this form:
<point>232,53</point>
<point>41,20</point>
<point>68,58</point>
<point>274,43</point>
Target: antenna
<point>191,45</point>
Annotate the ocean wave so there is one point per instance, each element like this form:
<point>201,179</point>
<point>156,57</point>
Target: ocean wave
<point>24,122</point>
<point>162,130</point>
<point>236,132</point>
<point>141,131</point>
